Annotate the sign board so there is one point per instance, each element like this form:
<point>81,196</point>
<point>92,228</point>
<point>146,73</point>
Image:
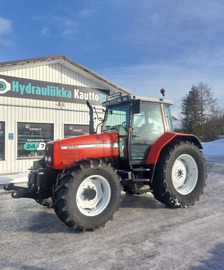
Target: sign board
<point>11,136</point>
<point>33,89</point>
<point>71,130</point>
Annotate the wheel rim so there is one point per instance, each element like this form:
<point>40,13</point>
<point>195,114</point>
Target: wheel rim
<point>93,195</point>
<point>184,174</point>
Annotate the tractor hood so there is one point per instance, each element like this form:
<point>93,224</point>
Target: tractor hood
<point>65,152</point>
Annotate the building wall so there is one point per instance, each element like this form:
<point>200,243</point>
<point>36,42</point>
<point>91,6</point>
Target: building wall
<point>14,110</point>
<point>54,72</point>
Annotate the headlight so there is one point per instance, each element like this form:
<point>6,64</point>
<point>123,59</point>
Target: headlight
<point>49,154</point>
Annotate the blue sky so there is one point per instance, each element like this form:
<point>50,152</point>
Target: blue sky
<point>142,45</point>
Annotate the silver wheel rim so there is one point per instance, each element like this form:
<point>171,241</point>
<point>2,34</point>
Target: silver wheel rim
<point>93,195</point>
<point>184,174</point>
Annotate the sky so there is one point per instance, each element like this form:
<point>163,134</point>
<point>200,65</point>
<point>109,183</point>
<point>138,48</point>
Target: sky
<point>141,45</point>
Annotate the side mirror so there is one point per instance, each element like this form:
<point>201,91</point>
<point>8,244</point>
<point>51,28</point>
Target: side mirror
<point>136,106</point>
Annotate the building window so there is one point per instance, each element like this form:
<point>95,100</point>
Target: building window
<point>75,130</point>
<point>2,140</point>
<point>32,139</point>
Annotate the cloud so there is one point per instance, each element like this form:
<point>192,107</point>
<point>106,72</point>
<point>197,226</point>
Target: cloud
<point>163,25</point>
<point>5,29</point>
<point>67,27</point>
<point>176,78</point>
<point>85,13</point>
<point>57,25</point>
<point>45,31</point>
<point>5,26</point>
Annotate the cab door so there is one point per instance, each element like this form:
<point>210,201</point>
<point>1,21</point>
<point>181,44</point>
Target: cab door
<point>118,120</point>
<point>147,127</point>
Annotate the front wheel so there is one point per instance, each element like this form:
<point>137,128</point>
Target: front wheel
<point>88,196</point>
<point>180,175</point>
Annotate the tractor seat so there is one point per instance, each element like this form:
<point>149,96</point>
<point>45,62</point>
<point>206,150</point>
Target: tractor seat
<point>145,130</point>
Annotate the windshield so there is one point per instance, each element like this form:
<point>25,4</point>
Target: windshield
<point>117,119</point>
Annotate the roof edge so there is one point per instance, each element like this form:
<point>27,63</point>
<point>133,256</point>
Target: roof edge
<point>67,59</point>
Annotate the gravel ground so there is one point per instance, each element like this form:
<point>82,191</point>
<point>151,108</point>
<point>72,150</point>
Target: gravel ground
<point>143,235</point>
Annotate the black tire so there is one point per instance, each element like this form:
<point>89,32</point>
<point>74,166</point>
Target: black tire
<point>180,175</point>
<point>88,196</point>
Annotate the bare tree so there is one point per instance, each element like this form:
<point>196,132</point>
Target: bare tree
<point>198,108</point>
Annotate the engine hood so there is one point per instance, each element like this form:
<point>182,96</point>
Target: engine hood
<point>69,150</point>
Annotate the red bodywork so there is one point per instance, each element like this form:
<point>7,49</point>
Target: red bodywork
<point>162,141</point>
<point>67,151</point>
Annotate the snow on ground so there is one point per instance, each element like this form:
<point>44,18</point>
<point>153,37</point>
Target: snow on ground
<point>214,148</point>
<point>14,178</point>
<point>212,151</point>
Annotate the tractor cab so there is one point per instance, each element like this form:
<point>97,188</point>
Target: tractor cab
<point>139,122</point>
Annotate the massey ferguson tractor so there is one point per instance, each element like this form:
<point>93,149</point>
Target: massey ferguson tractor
<point>137,151</point>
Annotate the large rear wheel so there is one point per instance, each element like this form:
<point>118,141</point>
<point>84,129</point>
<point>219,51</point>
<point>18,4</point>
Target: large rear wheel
<point>180,175</point>
<point>88,196</point>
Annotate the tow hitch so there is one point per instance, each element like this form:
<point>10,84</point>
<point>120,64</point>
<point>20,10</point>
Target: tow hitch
<point>20,192</point>
<point>40,182</point>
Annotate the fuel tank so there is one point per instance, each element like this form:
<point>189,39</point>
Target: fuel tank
<point>65,152</point>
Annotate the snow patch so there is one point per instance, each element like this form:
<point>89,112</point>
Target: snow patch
<point>14,178</point>
<point>214,148</point>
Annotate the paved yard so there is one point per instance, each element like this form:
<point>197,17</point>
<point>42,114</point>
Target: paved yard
<point>143,235</point>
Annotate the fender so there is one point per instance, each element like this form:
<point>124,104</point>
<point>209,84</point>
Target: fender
<point>162,141</point>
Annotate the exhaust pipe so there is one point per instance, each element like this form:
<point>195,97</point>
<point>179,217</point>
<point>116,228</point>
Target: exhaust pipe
<point>91,124</point>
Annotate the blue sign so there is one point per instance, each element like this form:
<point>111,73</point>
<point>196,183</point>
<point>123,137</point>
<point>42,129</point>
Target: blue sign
<point>11,136</point>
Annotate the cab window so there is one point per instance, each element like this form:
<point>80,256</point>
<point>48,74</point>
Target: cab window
<point>147,127</point>
<point>117,120</point>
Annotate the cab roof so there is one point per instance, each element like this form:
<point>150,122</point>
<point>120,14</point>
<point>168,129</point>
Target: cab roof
<point>118,98</point>
<point>151,99</point>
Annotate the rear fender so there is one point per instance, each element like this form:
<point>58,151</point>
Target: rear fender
<point>164,140</point>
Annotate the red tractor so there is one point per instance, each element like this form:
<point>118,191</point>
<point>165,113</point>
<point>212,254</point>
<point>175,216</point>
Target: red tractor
<point>137,150</point>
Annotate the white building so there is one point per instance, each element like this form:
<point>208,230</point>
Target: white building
<point>43,99</point>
